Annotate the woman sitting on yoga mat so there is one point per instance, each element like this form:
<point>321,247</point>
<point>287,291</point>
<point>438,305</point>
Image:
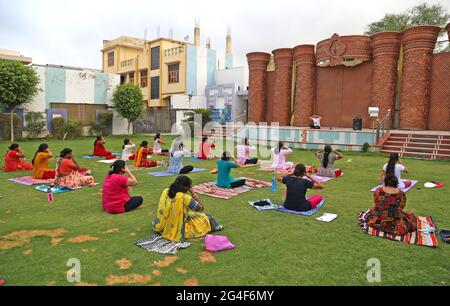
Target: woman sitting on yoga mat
<point>100,150</point>
<point>176,159</point>
<point>243,153</point>
<point>327,157</point>
<point>180,213</point>
<point>69,173</point>
<point>115,197</point>
<point>141,156</point>
<point>279,154</point>
<point>157,142</point>
<point>224,165</point>
<point>40,163</point>
<point>297,184</point>
<point>395,167</point>
<point>387,215</point>
<point>205,149</point>
<point>127,150</point>
<point>13,161</point>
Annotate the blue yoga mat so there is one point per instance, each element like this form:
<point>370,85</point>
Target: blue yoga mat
<point>167,173</point>
<point>55,189</point>
<point>308,213</point>
<point>196,159</point>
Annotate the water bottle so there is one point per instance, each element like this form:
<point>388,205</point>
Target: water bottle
<point>274,184</point>
<point>50,198</point>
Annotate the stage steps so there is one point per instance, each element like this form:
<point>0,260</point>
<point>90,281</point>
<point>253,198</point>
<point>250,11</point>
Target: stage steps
<point>225,131</point>
<point>424,146</point>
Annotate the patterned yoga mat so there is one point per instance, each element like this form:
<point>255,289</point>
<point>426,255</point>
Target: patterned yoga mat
<point>425,234</point>
<point>155,243</point>
<point>29,181</point>
<point>211,189</point>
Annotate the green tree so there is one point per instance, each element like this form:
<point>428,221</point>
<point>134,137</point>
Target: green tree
<point>128,102</point>
<point>205,113</point>
<point>18,85</point>
<point>422,14</point>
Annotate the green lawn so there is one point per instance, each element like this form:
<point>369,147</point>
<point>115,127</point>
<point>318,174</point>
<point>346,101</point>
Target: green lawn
<point>272,248</point>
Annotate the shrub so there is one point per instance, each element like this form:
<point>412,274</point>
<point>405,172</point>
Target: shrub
<point>101,126</point>
<point>5,126</point>
<point>58,127</point>
<point>365,147</point>
<point>35,123</point>
<point>73,129</point>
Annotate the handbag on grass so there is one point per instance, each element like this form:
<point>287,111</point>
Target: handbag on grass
<point>215,243</point>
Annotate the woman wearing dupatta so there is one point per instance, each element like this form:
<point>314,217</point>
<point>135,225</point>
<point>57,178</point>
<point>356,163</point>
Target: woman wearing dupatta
<point>180,213</point>
<point>13,160</point>
<point>141,156</point>
<point>69,173</point>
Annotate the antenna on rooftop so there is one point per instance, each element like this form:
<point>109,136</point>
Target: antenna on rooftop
<point>158,32</point>
<point>171,33</point>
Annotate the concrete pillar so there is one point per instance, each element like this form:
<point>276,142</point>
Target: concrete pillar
<point>257,64</point>
<point>418,44</point>
<point>281,109</point>
<point>305,84</point>
<point>385,51</point>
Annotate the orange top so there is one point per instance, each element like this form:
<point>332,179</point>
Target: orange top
<point>65,166</point>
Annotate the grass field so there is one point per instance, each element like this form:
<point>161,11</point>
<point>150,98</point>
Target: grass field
<point>272,248</point>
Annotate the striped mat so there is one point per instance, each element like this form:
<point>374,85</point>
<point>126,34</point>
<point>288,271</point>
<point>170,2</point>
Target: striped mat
<point>211,189</point>
<point>29,181</point>
<point>421,237</point>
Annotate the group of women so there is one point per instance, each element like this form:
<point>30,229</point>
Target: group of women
<point>67,173</point>
<point>140,157</point>
<point>180,212</point>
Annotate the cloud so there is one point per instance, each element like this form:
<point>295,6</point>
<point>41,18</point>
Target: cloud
<point>71,32</point>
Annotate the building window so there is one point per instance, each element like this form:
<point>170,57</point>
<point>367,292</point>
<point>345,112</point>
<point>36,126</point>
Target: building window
<point>131,78</point>
<point>154,87</point>
<point>155,58</point>
<point>111,59</point>
<point>174,71</point>
<point>144,81</point>
<point>123,78</point>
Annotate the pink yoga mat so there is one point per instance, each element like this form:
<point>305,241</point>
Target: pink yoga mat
<point>413,182</point>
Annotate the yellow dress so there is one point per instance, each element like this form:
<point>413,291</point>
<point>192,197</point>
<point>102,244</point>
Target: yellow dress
<point>40,165</point>
<point>176,221</point>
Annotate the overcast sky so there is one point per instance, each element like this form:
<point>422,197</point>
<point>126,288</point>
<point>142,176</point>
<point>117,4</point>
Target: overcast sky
<point>70,32</point>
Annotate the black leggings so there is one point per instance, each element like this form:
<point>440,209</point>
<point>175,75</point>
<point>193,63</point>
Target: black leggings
<point>133,203</point>
<point>186,169</point>
<point>251,161</point>
<point>237,183</point>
